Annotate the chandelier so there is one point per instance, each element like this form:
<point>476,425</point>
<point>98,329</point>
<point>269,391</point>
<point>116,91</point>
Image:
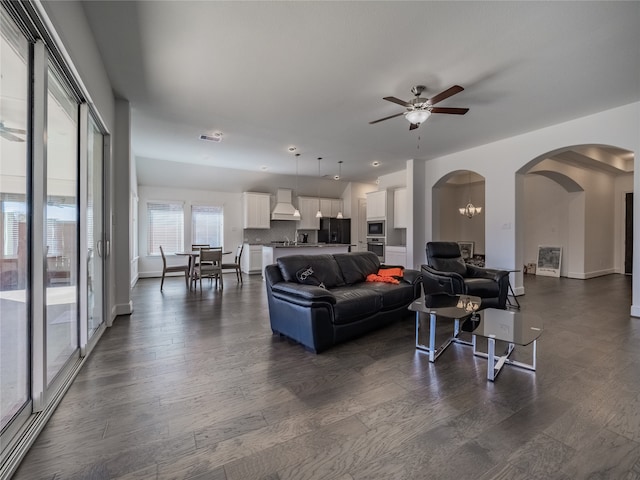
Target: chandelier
<point>469,210</point>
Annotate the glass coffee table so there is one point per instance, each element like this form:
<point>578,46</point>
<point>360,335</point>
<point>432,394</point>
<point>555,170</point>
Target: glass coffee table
<point>452,307</point>
<point>512,327</point>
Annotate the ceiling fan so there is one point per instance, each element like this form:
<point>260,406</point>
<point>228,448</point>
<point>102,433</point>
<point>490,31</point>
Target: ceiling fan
<point>419,109</point>
<point>8,133</point>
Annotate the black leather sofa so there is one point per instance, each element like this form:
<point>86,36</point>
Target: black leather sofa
<point>447,272</point>
<point>344,306</point>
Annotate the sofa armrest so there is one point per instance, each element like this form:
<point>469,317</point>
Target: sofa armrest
<point>297,293</point>
<point>479,272</point>
<point>411,276</point>
<point>435,281</point>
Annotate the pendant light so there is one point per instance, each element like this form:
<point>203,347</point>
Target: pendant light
<point>296,212</point>
<point>319,212</point>
<point>337,177</point>
<point>469,210</point>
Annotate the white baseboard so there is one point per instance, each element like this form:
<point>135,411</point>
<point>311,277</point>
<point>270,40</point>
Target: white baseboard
<point>159,274</point>
<point>122,309</point>
<point>134,280</point>
<point>588,275</point>
<point>518,291</point>
<point>635,311</point>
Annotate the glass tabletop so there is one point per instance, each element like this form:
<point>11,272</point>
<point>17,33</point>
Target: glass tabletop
<point>506,325</point>
<point>448,306</point>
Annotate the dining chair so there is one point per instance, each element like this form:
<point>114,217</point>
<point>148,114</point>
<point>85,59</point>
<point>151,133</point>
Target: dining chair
<point>173,268</point>
<point>198,247</point>
<point>210,266</point>
<point>236,264</point>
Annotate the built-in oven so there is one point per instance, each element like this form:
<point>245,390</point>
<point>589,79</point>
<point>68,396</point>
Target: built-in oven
<point>375,228</point>
<point>376,245</point>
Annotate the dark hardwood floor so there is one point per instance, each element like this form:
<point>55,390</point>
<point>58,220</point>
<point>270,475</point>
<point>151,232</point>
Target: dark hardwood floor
<point>194,386</point>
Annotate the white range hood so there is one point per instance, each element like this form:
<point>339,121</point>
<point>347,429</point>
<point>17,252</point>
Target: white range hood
<point>284,208</point>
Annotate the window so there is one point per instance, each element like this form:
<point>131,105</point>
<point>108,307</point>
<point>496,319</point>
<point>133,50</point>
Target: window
<point>206,225</point>
<point>165,227</point>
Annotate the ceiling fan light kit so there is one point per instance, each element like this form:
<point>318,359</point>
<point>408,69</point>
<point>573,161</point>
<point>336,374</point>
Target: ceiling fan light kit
<point>417,116</point>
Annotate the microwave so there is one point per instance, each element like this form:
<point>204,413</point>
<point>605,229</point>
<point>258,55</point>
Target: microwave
<point>375,228</point>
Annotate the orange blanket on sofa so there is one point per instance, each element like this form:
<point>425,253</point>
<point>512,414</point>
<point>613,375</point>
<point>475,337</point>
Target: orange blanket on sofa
<point>386,275</point>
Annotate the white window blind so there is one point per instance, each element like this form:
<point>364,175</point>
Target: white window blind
<point>14,226</point>
<point>165,227</point>
<point>206,225</point>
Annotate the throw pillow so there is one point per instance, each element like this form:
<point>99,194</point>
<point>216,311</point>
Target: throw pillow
<point>306,277</point>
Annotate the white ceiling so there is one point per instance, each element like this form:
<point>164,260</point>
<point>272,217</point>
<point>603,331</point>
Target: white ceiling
<point>312,74</point>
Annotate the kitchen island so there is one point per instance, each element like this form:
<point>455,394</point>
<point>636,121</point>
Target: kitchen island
<point>270,253</point>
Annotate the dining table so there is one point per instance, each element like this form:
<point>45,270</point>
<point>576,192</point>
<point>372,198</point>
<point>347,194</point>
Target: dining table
<point>193,259</point>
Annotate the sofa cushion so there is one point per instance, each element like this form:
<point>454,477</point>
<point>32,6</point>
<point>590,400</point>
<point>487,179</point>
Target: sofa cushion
<point>393,296</point>
<point>325,268</point>
<point>356,266</point>
<point>355,302</point>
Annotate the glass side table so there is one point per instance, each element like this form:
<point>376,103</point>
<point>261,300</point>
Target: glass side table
<point>512,327</point>
<point>452,307</point>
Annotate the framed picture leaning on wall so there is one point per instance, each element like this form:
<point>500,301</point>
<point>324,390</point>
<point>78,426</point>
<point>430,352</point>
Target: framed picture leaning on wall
<point>466,249</point>
<point>549,260</point>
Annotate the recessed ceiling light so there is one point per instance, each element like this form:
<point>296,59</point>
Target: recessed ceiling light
<point>292,148</point>
<point>376,163</point>
<point>263,168</point>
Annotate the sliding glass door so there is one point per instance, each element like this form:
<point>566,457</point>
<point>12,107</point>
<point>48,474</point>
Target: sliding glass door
<point>96,247</point>
<point>15,378</point>
<point>62,234</point>
<point>52,243</point>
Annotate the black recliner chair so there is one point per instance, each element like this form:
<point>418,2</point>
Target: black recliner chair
<point>447,272</point>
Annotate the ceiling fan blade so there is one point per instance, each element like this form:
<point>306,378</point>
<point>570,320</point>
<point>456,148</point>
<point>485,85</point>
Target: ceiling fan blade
<point>13,130</point>
<point>446,94</point>
<point>453,111</point>
<point>398,101</point>
<point>386,118</point>
<point>413,126</point>
<point>10,136</point>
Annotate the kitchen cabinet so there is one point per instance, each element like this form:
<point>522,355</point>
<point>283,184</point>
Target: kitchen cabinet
<point>257,210</point>
<point>377,205</point>
<point>308,208</point>
<point>395,255</point>
<point>325,207</point>
<point>400,208</point>
<point>330,207</point>
<point>251,262</point>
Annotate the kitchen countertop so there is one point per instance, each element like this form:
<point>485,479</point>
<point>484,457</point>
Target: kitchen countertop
<point>305,245</point>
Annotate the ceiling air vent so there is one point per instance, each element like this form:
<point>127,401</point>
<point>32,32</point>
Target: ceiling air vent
<point>216,137</point>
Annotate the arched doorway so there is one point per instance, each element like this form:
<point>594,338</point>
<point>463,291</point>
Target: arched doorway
<point>574,197</point>
<point>452,193</point>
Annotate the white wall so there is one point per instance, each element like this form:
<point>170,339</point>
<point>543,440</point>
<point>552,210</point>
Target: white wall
<point>151,266</point>
<point>499,161</point>
<point>392,180</point>
<point>546,219</point>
